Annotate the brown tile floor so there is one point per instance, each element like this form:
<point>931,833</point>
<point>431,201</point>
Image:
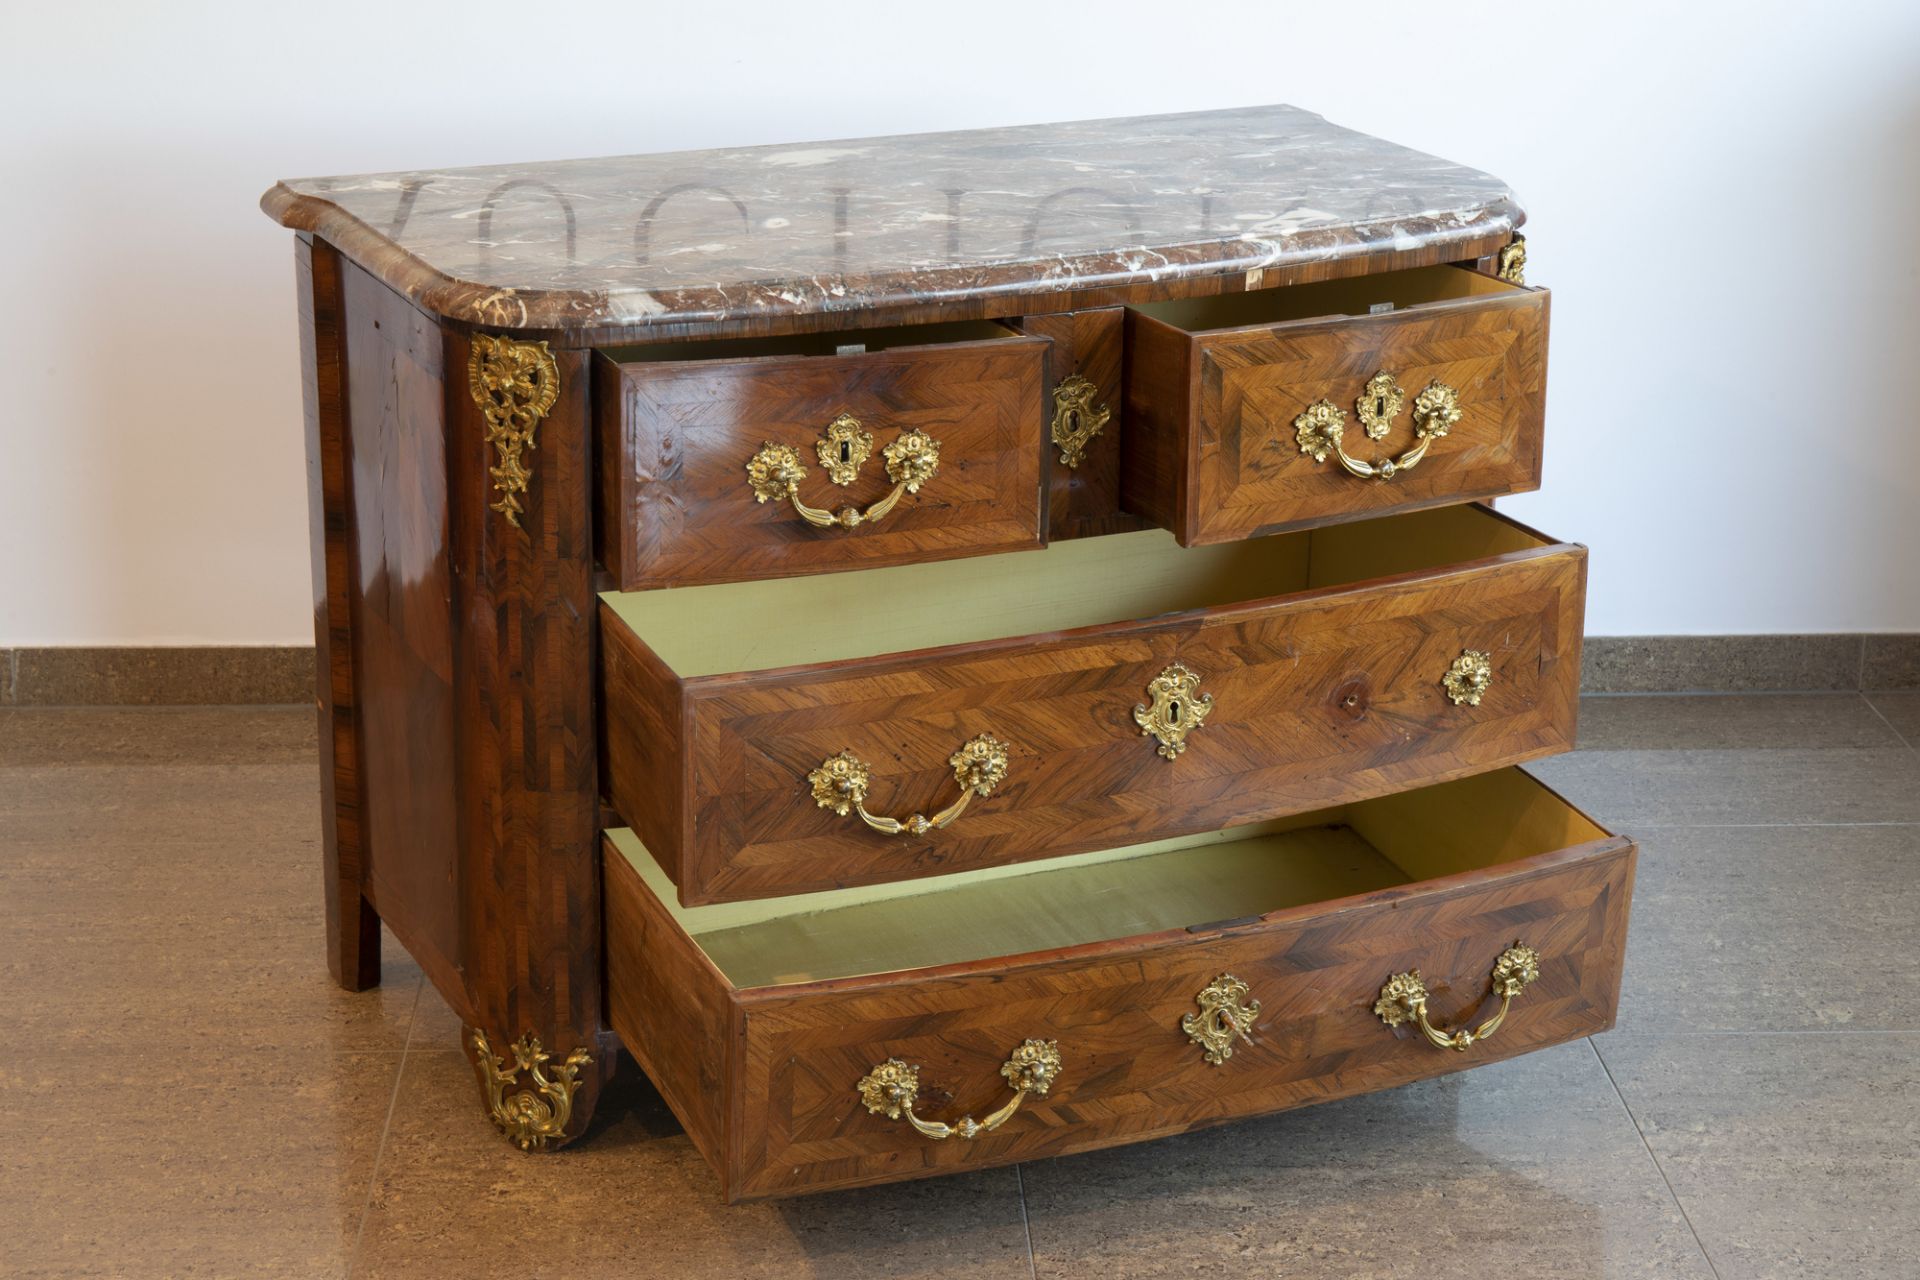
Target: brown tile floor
<point>185,1094</point>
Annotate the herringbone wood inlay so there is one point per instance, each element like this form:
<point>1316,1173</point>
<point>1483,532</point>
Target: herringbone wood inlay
<point>793,1054</point>
<point>1319,699</point>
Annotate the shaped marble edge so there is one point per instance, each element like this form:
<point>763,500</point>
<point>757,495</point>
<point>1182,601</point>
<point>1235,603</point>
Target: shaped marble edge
<point>878,224</point>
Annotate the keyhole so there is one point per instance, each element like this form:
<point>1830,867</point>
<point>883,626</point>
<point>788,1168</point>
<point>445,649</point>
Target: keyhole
<point>1379,406</point>
<point>846,451</point>
<point>1073,419</point>
<point>1173,713</point>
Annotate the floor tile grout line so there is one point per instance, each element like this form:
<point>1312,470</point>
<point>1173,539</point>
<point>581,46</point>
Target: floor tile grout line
<point>1890,725</point>
<point>413,1015</point>
<point>1717,693</point>
<point>1026,1222</point>
<point>1775,692</point>
<point>1654,1160</point>
<point>386,1127</point>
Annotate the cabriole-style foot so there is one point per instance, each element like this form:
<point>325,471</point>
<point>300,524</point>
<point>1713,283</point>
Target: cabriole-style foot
<point>539,1099</point>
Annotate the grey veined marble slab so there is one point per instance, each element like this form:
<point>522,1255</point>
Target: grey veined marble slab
<point>890,223</point>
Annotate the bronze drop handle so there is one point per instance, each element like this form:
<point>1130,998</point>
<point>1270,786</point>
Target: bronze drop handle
<point>841,783</point>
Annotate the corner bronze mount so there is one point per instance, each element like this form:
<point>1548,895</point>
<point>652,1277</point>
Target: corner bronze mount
<point>516,385</point>
<point>1511,264</point>
<point>532,1117</point>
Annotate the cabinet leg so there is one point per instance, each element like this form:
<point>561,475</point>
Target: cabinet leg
<point>353,928</point>
<point>353,936</point>
<point>540,1098</point>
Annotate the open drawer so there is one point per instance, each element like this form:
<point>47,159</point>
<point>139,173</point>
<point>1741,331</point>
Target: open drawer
<point>734,459</point>
<point>782,737</point>
<point>1257,412</point>
<point>1119,995</point>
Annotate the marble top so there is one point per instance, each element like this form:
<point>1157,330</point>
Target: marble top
<point>872,223</point>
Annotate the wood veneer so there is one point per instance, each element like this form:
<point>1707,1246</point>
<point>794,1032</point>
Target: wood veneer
<point>460,768</point>
<point>678,424</point>
<point>1214,385</point>
<point>525,734</point>
<point>763,1075</point>
<point>353,927</point>
<point>1324,653</point>
<point>1085,500</point>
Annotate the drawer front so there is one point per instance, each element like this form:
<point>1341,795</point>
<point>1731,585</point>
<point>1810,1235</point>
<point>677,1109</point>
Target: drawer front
<point>678,504</point>
<point>1215,417</point>
<point>1127,1069</point>
<point>767,1079</point>
<point>1315,700</point>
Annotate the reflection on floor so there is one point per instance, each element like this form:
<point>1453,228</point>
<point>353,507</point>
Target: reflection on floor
<point>186,1093</point>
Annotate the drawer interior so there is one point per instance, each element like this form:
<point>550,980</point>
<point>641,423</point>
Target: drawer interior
<point>1184,883</point>
<point>839,342</point>
<point>1358,296</point>
<point>751,626</point>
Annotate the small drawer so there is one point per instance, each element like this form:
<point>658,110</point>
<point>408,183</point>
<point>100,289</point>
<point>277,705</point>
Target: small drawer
<point>783,737</point>
<point>729,460</point>
<point>1120,995</point>
<point>1259,412</point>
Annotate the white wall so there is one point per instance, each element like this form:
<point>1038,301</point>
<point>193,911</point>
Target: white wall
<point>1725,198</point>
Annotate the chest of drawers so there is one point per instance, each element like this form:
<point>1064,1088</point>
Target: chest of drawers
<point>947,650</point>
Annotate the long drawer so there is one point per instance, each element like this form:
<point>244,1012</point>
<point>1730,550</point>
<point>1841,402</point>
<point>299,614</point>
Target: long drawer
<point>1258,412</point>
<point>784,737</point>
<point>1116,996</point>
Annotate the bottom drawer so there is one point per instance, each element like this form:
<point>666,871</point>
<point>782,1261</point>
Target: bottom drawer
<point>1118,995</point>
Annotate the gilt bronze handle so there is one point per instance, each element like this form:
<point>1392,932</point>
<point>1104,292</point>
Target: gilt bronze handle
<point>1404,998</point>
<point>841,782</point>
<point>776,472</point>
<point>892,1088</point>
<point>1321,430</point>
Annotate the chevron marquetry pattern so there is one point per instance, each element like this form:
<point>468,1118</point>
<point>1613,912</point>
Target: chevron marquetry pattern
<point>1129,1072</point>
<point>1318,700</point>
<point>675,438</point>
